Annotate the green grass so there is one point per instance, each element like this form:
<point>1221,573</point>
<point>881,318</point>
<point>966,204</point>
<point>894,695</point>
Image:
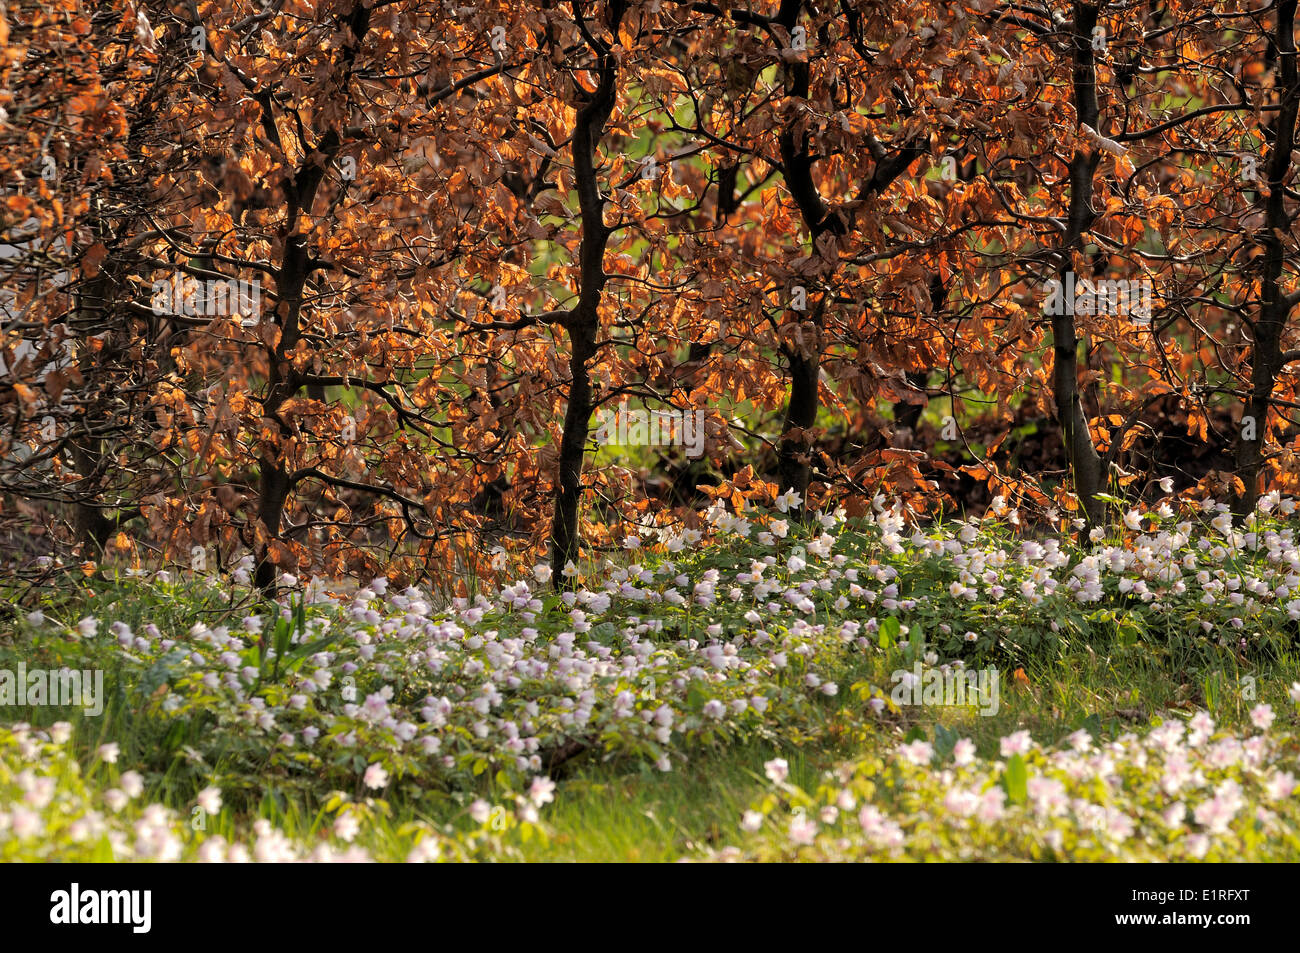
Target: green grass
<point>1108,671</point>
<point>606,815</point>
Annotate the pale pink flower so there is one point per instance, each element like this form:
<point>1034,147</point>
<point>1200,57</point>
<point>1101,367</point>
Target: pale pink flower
<point>376,776</point>
<point>1015,743</point>
<point>1261,716</point>
<point>919,753</point>
<point>802,830</point>
<point>542,791</point>
<point>346,827</point>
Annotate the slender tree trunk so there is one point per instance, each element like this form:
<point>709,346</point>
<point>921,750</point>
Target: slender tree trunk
<point>274,479</point>
<point>1266,357</point>
<point>84,440</point>
<point>1085,461</point>
<point>87,450</point>
<point>584,321</point>
<point>793,448</point>
<point>275,482</point>
<point>565,538</point>
<point>793,462</point>
<point>800,415</point>
<point>907,414</point>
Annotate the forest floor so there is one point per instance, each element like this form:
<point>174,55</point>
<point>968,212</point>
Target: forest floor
<point>769,690</point>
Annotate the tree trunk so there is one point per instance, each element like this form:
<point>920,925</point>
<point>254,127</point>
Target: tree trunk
<point>584,321</point>
<point>275,482</point>
<point>1085,461</point>
<point>800,415</point>
<point>565,539</point>
<point>1266,357</point>
<point>793,446</point>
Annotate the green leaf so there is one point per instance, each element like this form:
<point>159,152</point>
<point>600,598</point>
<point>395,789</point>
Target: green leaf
<point>945,739</point>
<point>175,735</point>
<point>1128,632</point>
<point>1212,693</point>
<point>164,671</point>
<point>282,634</point>
<point>889,632</point>
<point>103,852</point>
<point>696,696</point>
<point>1015,780</point>
<point>311,648</point>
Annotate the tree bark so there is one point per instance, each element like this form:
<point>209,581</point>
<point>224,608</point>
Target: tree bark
<point>583,323</point>
<point>274,479</point>
<point>1085,461</point>
<point>1266,357</point>
<point>793,462</point>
